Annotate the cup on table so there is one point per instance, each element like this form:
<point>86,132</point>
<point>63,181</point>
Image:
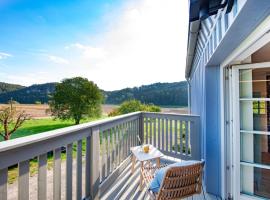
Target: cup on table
<point>146,148</point>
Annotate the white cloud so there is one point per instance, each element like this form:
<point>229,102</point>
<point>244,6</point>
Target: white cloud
<point>142,42</point>
<point>88,52</point>
<point>57,59</point>
<point>4,55</point>
<point>146,43</point>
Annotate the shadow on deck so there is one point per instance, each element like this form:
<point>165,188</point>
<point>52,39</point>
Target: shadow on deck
<point>126,186</point>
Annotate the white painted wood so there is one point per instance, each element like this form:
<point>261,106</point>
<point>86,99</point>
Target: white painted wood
<point>23,182</point>
<point>57,174</point>
<point>87,166</point>
<point>94,162</point>
<point>42,177</point>
<point>146,134</point>
<point>176,136</point>
<point>167,134</point>
<point>69,172</point>
<point>181,131</point>
<point>159,133</point>
<point>151,131</point>
<point>79,170</point>
<point>171,136</point>
<point>113,149</point>
<point>3,183</point>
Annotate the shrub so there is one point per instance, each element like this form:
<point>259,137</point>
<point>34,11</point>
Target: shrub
<point>134,106</point>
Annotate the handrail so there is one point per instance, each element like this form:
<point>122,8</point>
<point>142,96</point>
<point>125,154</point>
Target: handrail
<point>19,142</point>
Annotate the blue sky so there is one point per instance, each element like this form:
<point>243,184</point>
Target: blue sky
<point>115,43</point>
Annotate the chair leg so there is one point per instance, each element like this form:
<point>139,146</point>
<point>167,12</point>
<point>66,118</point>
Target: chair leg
<point>141,178</point>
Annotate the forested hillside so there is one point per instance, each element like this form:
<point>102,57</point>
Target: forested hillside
<point>29,95</point>
<point>6,87</point>
<point>163,94</point>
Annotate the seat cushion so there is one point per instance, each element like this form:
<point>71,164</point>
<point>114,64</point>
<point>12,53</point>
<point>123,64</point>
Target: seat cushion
<point>157,181</point>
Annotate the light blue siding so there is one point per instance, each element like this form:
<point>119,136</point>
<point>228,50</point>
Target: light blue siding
<point>213,133</point>
<point>205,101</point>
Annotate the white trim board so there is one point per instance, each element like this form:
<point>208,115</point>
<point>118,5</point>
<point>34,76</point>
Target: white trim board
<point>258,38</point>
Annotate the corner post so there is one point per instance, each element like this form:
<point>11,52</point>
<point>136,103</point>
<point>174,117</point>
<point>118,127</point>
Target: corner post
<point>195,139</point>
<point>94,164</point>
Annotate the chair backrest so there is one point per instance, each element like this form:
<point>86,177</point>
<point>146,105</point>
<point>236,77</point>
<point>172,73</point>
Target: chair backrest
<point>181,182</point>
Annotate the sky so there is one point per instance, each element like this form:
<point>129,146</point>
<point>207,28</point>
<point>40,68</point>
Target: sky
<point>115,43</point>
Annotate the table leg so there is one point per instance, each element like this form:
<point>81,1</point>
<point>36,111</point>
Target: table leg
<point>158,162</point>
<point>133,160</point>
<point>141,178</point>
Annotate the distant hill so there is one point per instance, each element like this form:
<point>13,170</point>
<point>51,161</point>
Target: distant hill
<point>29,95</point>
<point>163,94</point>
<point>7,87</point>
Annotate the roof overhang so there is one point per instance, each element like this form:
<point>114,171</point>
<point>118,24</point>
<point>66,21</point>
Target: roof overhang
<point>200,10</point>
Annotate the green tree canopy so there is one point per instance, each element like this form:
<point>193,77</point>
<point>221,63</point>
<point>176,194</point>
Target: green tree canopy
<point>133,106</point>
<point>76,98</point>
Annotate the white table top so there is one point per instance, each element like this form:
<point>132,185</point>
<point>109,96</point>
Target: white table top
<point>141,156</point>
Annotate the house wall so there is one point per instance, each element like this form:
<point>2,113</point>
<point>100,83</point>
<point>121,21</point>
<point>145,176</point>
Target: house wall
<point>212,49</point>
<point>213,130</point>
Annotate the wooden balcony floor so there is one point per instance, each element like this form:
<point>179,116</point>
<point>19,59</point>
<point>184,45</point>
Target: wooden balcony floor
<point>126,187</point>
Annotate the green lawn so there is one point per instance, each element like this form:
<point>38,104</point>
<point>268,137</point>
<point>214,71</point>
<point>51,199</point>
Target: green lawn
<point>35,126</point>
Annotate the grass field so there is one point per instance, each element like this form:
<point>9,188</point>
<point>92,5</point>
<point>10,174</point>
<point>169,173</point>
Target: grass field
<point>35,126</point>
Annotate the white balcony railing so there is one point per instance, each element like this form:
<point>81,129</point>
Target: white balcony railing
<point>97,149</point>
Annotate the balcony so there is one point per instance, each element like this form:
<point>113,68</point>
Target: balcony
<point>92,160</point>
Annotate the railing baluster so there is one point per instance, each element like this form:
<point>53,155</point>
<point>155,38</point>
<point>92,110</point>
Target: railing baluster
<point>163,135</point>
<point>103,155</point>
<point>167,136</point>
<point>146,130</point>
<point>129,133</point>
<point>3,183</point>
<point>57,174</point>
<point>42,177</point>
<point>79,170</point>
<point>151,131</point>
<point>135,133</point>
<point>171,138</point>
<point>108,153</point>
<point>159,132</point>
<point>125,140</point>
<point>117,145</point>
<point>87,167</point>
<point>69,172</point>
<point>181,137</point>
<point>94,163</point>
<point>187,136</point>
<point>23,183</point>
<point>113,148</point>
<point>155,131</point>
<point>175,137</point>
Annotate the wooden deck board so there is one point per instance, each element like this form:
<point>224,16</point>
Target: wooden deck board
<point>126,187</point>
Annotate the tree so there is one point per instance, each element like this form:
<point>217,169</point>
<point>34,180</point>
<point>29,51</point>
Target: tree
<point>76,98</point>
<point>133,106</point>
<point>11,120</point>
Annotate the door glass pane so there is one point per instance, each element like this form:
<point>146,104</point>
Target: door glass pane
<point>254,83</point>
<point>255,181</point>
<point>255,115</point>
<point>255,148</point>
<point>254,102</point>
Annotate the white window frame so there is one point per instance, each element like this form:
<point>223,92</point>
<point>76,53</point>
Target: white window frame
<point>236,128</point>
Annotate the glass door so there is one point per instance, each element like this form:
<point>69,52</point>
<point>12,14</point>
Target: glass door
<point>252,131</point>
